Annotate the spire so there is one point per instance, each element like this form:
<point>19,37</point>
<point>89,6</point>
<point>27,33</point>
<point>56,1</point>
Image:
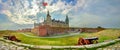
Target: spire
<point>34,24</point>
<point>67,19</point>
<point>48,16</point>
<point>48,12</point>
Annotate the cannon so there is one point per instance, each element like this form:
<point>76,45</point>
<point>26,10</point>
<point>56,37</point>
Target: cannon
<point>119,37</point>
<point>12,38</point>
<point>85,41</point>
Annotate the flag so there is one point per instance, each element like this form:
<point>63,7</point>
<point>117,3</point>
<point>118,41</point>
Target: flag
<point>42,5</point>
<point>45,4</point>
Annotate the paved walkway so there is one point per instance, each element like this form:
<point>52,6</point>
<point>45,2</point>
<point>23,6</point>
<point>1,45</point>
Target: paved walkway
<point>10,46</point>
<point>111,47</point>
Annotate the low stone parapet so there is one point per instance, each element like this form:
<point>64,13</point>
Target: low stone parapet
<point>62,47</point>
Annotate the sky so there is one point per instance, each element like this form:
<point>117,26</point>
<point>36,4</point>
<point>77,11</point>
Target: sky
<point>19,14</point>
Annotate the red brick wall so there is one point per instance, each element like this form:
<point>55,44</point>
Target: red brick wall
<point>42,30</point>
<point>90,30</point>
<point>57,30</point>
<point>46,30</point>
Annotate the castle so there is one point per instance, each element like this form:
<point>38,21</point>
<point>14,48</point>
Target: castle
<point>53,22</point>
<point>52,27</point>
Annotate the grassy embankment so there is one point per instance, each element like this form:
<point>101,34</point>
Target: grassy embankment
<point>69,40</point>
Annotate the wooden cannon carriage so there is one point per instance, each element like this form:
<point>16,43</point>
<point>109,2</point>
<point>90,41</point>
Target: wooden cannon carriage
<point>85,41</point>
<point>12,38</point>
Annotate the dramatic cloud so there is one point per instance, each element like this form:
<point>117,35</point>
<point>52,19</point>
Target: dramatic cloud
<point>82,13</point>
<point>25,11</point>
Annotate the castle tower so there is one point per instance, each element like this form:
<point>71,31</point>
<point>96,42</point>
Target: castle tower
<point>34,24</point>
<point>48,16</point>
<point>67,20</point>
<point>48,19</point>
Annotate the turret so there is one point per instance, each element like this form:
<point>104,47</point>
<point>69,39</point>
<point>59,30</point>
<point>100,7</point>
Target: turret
<point>48,16</point>
<point>35,24</point>
<point>48,19</point>
<point>67,20</point>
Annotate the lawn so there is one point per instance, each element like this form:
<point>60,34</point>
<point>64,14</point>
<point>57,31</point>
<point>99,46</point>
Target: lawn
<point>104,35</point>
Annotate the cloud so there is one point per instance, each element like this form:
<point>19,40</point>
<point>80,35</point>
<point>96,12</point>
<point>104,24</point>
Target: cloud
<point>81,12</point>
<point>19,11</point>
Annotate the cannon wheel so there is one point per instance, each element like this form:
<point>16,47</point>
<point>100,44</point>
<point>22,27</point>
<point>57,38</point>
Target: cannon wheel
<point>94,41</point>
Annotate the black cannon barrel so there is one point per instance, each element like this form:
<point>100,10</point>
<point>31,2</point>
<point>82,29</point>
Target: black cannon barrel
<point>93,38</point>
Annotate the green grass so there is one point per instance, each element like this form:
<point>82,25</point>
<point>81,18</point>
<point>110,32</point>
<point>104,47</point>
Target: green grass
<point>104,35</point>
<point>29,33</point>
